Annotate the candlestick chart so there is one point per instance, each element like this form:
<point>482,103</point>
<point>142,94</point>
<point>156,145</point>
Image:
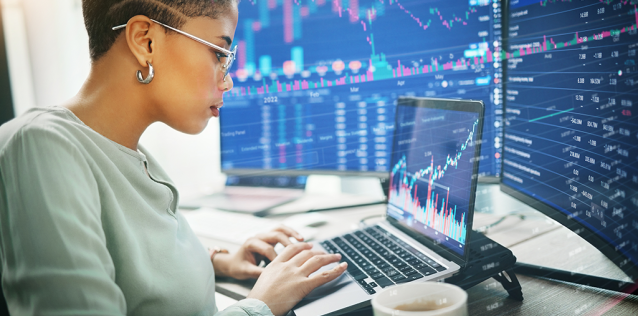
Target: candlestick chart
<point>315,80</point>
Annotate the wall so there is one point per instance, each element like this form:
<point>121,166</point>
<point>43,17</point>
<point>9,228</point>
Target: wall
<point>6,103</point>
<point>47,49</point>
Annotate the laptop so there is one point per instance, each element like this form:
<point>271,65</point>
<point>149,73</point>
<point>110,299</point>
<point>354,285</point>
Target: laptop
<point>252,194</point>
<point>424,236</point>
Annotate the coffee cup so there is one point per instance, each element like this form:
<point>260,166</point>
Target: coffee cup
<point>421,299</point>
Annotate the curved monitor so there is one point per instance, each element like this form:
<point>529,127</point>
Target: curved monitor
<point>315,81</point>
<point>571,133</point>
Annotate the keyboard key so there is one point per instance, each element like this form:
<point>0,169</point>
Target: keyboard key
<point>358,275</point>
<point>384,282</point>
<point>398,278</point>
<point>405,256</point>
<point>414,262</point>
<point>413,277</point>
<point>410,272</point>
<point>371,291</point>
<point>378,262</point>
<point>377,275</point>
<point>438,267</point>
<point>368,268</point>
<point>420,266</point>
<point>372,284</point>
<point>423,269</point>
<point>391,273</point>
<point>426,273</point>
<point>400,264</point>
<point>355,272</point>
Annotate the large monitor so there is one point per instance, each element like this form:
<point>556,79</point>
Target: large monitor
<point>316,80</point>
<point>571,132</point>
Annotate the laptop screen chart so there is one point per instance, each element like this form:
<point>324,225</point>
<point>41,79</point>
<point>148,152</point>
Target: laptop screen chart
<point>431,175</point>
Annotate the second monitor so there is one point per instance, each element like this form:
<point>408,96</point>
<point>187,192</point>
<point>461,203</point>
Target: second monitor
<point>316,80</point>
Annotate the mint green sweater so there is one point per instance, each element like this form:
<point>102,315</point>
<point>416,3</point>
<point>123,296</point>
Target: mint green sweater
<point>85,231</point>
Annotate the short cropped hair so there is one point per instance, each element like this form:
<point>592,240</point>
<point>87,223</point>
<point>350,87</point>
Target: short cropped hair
<point>101,15</point>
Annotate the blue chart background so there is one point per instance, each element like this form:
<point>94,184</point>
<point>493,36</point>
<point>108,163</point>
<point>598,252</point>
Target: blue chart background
<point>575,124</point>
<point>436,139</point>
<point>349,127</point>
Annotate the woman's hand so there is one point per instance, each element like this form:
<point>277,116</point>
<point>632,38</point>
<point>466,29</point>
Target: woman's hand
<point>286,280</point>
<point>244,263</point>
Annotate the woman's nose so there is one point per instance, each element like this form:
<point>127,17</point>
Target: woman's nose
<point>227,83</point>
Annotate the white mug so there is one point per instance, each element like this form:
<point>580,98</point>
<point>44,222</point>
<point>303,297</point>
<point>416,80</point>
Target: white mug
<point>421,299</point>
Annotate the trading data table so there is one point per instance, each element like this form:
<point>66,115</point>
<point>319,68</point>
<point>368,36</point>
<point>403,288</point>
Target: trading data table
<point>316,81</point>
<point>571,135</point>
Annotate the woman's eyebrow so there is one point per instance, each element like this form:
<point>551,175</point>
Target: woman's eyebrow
<point>227,39</point>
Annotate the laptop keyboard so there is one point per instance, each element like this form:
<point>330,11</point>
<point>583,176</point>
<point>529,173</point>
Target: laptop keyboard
<point>373,253</point>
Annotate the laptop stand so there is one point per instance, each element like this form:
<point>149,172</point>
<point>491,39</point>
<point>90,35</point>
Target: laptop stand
<point>489,259</point>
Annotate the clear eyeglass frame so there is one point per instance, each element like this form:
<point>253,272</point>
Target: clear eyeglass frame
<point>229,55</point>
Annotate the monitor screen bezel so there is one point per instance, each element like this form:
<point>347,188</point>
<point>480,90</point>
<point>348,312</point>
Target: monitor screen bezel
<point>472,106</point>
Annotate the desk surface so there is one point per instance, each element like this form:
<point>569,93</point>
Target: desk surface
<point>534,239</point>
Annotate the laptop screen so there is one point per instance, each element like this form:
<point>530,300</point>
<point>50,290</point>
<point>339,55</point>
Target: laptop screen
<point>431,177</point>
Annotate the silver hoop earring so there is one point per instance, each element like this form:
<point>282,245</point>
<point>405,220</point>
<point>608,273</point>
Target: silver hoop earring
<point>149,78</point>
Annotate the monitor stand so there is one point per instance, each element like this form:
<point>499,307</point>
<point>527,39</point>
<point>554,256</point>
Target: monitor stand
<point>329,192</point>
<point>485,197</point>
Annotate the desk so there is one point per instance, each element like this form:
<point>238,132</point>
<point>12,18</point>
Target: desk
<point>535,239</point>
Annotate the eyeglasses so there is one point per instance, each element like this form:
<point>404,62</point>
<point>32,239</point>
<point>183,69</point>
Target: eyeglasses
<point>226,57</point>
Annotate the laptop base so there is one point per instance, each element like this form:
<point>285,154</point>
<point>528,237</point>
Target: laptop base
<point>488,259</point>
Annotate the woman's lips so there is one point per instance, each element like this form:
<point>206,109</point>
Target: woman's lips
<point>215,109</point>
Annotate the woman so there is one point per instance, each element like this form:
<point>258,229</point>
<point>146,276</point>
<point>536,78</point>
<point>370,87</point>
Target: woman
<point>88,220</point>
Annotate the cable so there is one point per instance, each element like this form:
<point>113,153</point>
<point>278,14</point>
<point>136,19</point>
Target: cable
<point>362,221</point>
<point>485,228</point>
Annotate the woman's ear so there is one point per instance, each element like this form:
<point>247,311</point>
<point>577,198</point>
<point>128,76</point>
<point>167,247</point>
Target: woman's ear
<point>140,34</point>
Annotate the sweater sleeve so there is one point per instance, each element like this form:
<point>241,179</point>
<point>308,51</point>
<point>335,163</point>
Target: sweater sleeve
<point>52,245</point>
<point>249,306</point>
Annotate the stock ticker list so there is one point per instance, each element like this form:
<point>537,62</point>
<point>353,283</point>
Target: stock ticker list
<point>571,130</point>
<point>316,81</point>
